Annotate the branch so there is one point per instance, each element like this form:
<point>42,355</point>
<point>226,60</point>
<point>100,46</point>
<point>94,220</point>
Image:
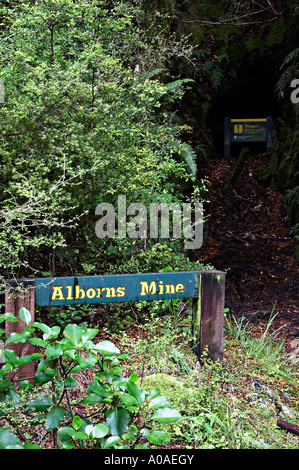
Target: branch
<point>293,428</point>
<point>236,19</point>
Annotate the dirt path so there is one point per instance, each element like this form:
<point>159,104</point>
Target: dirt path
<point>248,235</point>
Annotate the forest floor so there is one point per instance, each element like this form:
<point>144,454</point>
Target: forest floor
<point>248,237</point>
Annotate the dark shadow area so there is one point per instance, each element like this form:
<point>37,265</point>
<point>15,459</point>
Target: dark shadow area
<point>251,95</point>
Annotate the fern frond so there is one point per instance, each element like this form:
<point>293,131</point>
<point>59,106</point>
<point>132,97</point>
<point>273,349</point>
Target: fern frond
<point>171,86</point>
<point>290,57</point>
<point>188,156</point>
<point>152,73</point>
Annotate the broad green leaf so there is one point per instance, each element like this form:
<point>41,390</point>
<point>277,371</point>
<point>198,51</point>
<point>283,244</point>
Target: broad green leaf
<point>12,395</point>
<point>54,350</point>
<point>124,357</point>
<point>27,445</point>
<point>80,435</point>
<point>154,393</point>
<point>55,330</point>
<point>158,437</point>
<point>38,342</point>
<point>10,357</point>
<point>4,384</point>
<point>133,378</point>
<point>8,316</point>
<point>76,423</point>
<point>107,348</point>
<point>18,337</point>
<point>159,402</point>
<point>74,334</point>
<point>166,415</point>
<point>128,400</point>
<point>52,373</point>
<point>8,440</point>
<point>43,364</point>
<point>42,378</point>
<point>25,385</point>
<point>136,392</point>
<point>70,382</point>
<point>33,357</point>
<point>110,442</point>
<point>25,315</point>
<point>54,418</point>
<point>89,429</point>
<point>42,326</point>
<point>71,353</point>
<point>117,419</point>
<point>99,430</point>
<point>65,432</point>
<point>89,334</point>
<point>40,404</point>
<point>86,359</point>
<point>92,398</point>
<point>98,389</point>
<point>116,370</point>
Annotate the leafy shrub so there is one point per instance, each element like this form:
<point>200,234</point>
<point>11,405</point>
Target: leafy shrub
<point>117,412</point>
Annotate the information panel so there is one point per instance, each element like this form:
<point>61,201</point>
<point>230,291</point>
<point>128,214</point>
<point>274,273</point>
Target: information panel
<point>247,131</point>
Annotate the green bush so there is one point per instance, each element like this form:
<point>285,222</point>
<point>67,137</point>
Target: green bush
<point>117,412</point>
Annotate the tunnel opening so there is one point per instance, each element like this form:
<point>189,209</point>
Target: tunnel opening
<point>249,94</point>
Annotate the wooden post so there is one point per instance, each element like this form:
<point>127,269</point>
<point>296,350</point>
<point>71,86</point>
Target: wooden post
<point>208,315</point>
<point>269,135</point>
<point>20,294</point>
<point>227,138</point>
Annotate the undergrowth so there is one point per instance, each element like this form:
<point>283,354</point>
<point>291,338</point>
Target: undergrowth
<point>234,404</point>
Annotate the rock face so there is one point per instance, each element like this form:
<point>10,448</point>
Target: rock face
<point>239,53</point>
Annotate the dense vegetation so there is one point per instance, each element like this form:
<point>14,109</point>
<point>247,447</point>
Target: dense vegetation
<point>109,98</point>
<point>82,123</point>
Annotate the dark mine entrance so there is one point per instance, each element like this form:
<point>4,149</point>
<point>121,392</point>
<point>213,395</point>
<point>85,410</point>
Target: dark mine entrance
<point>249,95</point>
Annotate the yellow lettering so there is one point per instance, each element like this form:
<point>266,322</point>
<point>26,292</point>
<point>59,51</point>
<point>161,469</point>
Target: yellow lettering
<point>79,293</point>
<point>179,288</point>
<point>57,293</point>
<point>120,291</point>
<point>110,292</point>
<point>90,293</point>
<point>100,290</point>
<point>69,293</point>
<point>169,289</point>
<point>145,289</point>
<point>161,288</point>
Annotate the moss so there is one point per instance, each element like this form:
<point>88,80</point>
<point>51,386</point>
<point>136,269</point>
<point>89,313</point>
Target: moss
<point>280,171</point>
<point>267,39</point>
<point>173,389</point>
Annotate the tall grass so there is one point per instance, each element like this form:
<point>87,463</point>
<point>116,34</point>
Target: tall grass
<point>267,347</point>
<point>219,404</point>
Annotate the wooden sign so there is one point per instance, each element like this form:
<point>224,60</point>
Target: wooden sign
<point>247,131</point>
<point>115,288</point>
<point>205,287</point>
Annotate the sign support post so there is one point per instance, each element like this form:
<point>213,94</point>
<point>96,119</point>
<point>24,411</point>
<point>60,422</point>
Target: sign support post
<point>20,294</point>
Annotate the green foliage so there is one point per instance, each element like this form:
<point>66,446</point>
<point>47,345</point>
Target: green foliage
<point>80,126</point>
<point>219,403</point>
<point>122,412</point>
